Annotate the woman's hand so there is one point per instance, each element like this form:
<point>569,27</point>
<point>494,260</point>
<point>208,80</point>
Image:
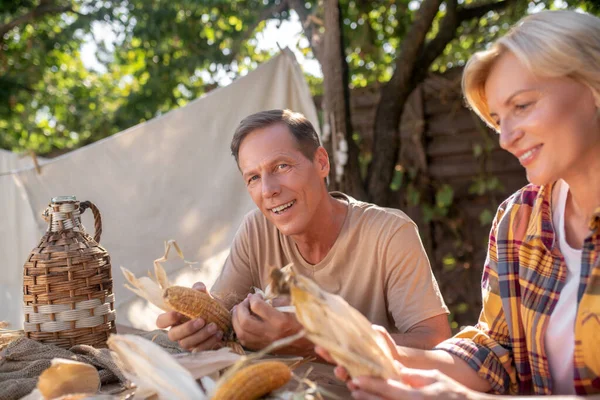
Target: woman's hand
<point>413,384</point>
<point>340,372</point>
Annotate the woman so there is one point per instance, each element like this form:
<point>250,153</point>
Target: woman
<point>539,330</point>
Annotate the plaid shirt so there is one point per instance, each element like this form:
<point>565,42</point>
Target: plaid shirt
<point>522,279</point>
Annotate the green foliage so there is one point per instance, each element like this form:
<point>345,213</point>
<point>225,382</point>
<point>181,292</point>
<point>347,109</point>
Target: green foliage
<point>47,98</point>
<point>486,217</point>
<point>374,31</point>
<point>168,52</point>
<point>397,179</point>
<point>178,46</point>
<point>475,35</point>
<point>449,262</point>
<point>441,206</point>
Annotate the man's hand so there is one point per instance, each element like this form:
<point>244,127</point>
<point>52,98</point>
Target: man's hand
<point>258,324</point>
<point>194,334</point>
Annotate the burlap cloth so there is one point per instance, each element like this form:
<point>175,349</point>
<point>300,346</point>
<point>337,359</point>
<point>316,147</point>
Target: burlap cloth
<point>22,362</point>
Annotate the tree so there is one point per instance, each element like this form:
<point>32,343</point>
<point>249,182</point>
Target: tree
<point>47,98</point>
<point>167,52</point>
<point>401,43</point>
<point>164,55</point>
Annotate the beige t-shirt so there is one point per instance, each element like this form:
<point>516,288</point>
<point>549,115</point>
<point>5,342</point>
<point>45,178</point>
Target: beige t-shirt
<point>377,264</point>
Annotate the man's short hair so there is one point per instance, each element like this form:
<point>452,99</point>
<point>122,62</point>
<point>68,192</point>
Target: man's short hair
<point>300,127</point>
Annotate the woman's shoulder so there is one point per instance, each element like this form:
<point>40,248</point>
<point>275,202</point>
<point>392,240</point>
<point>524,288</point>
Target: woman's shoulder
<point>528,196</point>
<point>531,201</point>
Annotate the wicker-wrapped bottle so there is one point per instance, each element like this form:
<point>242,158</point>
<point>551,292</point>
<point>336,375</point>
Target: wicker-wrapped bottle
<point>67,281</point>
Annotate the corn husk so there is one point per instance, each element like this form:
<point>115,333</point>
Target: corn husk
<point>152,370</point>
<point>207,363</point>
<point>151,287</point>
<point>154,287</point>
<point>269,293</point>
<point>330,322</point>
<point>7,336</point>
<point>160,375</point>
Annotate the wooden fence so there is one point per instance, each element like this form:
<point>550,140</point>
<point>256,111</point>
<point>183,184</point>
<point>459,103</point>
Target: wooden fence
<point>447,145</point>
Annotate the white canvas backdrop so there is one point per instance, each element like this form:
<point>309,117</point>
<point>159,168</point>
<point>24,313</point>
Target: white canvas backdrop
<point>170,178</point>
<point>18,234</point>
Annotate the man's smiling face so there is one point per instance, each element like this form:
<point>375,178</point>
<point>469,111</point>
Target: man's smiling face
<point>284,184</point>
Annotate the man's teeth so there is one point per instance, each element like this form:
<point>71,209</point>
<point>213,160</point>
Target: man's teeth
<point>527,154</point>
<point>282,207</point>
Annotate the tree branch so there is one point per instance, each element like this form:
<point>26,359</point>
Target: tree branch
<point>308,19</point>
<point>337,102</point>
<point>446,34</point>
<point>412,66</point>
<point>450,23</point>
<point>39,11</point>
<point>393,98</point>
<point>264,15</point>
<point>466,13</point>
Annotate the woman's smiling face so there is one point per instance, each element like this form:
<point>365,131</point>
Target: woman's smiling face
<point>550,124</point>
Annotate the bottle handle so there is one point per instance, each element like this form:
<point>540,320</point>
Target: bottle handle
<point>84,205</point>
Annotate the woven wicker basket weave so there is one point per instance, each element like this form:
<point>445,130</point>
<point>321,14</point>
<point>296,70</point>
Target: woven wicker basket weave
<point>67,281</point>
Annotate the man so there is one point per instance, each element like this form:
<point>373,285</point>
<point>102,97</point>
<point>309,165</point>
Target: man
<point>371,256</point>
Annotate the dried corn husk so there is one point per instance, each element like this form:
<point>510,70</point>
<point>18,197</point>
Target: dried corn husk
<point>155,289</point>
<point>153,370</point>
<point>333,324</point>
<point>146,287</point>
<point>8,335</point>
<point>207,363</point>
<point>151,287</point>
<point>269,295</point>
<point>66,377</point>
<point>160,375</point>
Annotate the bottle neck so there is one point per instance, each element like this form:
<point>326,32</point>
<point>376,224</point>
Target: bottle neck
<point>63,216</point>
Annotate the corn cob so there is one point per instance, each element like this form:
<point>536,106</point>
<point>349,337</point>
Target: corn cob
<point>195,304</point>
<point>66,377</point>
<point>254,381</point>
<point>330,322</point>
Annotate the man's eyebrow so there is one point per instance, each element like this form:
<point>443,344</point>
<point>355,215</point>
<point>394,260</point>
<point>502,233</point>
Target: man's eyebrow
<point>251,171</point>
<point>274,161</point>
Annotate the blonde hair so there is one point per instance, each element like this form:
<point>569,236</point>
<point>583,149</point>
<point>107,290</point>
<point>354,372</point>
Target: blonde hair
<point>549,44</point>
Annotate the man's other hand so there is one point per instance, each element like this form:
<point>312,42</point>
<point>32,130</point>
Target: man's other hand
<point>258,324</point>
<point>193,334</point>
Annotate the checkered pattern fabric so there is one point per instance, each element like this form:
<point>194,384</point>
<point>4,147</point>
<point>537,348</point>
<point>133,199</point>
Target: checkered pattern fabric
<point>523,276</point>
